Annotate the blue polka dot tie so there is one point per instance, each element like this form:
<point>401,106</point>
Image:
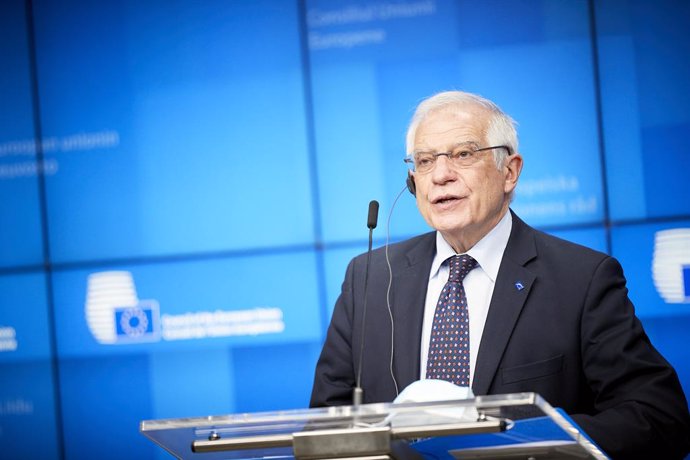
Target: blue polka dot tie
<point>449,347</point>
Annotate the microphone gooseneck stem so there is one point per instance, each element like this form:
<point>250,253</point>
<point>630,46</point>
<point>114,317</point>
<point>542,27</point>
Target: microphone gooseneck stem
<point>358,392</point>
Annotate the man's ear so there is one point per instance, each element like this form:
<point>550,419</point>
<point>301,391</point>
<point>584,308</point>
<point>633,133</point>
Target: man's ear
<point>512,169</point>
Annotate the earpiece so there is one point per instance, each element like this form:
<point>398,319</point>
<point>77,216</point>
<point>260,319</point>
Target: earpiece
<point>411,186</point>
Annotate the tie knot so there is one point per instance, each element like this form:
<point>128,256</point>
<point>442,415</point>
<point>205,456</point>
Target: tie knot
<point>460,266</point>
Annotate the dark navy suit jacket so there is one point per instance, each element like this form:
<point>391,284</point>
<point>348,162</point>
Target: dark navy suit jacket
<point>559,324</point>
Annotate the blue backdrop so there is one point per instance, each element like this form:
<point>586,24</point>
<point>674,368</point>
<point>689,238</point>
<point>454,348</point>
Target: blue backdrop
<point>183,183</point>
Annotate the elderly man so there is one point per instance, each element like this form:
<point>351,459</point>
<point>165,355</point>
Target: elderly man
<point>519,310</point>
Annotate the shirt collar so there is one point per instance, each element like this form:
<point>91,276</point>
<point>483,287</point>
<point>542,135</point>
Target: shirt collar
<point>488,252</point>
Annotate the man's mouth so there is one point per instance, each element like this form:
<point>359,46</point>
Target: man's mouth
<point>445,199</point>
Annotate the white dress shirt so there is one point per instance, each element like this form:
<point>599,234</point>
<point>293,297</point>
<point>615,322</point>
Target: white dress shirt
<point>479,285</point>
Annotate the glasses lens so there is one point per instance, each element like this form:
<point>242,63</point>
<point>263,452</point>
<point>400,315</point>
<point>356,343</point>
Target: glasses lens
<point>424,162</point>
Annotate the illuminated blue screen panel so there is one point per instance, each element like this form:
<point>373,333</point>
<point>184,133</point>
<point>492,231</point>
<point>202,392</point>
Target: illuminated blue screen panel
<point>371,63</point>
<point>170,340</point>
<point>186,305</point>
<point>27,394</point>
<point>656,260</point>
<point>177,128</point>
<point>20,226</point>
<point>645,87</point>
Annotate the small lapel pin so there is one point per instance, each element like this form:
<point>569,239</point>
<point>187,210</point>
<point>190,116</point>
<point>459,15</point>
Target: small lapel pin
<point>519,286</point>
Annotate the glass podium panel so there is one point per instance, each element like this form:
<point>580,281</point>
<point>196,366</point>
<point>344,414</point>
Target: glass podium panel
<point>497,426</point>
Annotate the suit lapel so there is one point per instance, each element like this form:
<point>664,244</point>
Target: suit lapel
<point>407,300</point>
<point>513,285</point>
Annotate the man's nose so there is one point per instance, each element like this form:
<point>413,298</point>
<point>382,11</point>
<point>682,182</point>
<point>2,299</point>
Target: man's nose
<point>443,170</point>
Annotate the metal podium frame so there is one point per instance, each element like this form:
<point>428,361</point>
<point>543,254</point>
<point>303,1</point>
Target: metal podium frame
<point>507,426</point>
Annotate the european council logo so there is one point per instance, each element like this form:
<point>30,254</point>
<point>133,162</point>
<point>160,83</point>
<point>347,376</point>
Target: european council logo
<point>115,314</point>
<point>671,265</point>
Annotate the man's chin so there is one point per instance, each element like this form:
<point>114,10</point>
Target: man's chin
<point>450,228</point>
<point>449,221</point>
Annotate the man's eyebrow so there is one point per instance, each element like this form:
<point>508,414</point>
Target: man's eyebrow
<point>452,148</point>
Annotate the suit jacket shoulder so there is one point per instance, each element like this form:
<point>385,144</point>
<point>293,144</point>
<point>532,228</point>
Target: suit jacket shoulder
<point>561,324</point>
<point>351,328</point>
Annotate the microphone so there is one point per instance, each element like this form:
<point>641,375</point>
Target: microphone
<point>372,219</point>
<point>373,216</point>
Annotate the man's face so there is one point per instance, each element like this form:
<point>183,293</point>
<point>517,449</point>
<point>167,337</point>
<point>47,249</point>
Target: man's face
<point>463,204</point>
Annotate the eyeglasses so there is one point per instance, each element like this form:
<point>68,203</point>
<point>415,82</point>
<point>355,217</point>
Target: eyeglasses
<point>461,157</point>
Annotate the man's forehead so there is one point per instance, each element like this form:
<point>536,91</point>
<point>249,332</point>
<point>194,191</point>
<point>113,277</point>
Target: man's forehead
<point>449,128</point>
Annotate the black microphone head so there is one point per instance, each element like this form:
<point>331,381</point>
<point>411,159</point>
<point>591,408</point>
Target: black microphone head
<point>373,218</point>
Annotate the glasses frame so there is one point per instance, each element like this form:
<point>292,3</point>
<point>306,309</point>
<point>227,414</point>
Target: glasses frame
<point>452,156</point>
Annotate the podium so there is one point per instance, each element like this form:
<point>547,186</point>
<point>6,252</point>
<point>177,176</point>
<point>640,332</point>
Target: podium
<point>511,426</point>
